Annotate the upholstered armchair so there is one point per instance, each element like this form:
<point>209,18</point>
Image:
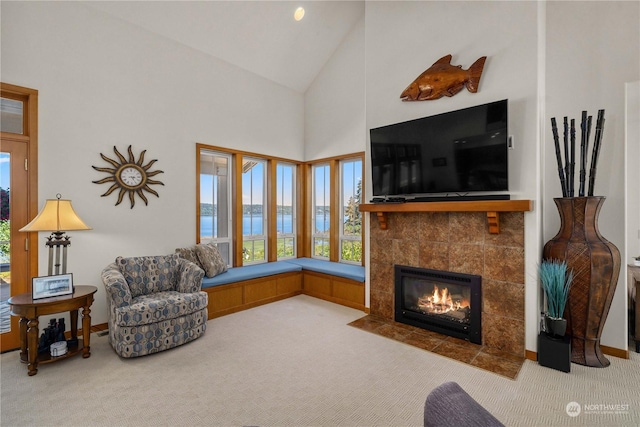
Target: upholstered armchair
<point>154,302</point>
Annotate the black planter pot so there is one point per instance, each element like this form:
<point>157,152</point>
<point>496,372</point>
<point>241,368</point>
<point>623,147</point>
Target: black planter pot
<point>555,327</point>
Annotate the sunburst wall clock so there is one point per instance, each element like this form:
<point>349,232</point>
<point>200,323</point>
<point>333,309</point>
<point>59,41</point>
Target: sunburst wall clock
<point>130,176</point>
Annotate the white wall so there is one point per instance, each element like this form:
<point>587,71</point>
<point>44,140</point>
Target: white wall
<point>592,50</point>
<point>103,82</point>
<point>405,38</point>
<point>334,103</point>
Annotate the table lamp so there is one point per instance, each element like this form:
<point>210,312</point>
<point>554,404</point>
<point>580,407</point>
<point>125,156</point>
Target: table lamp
<point>58,217</point>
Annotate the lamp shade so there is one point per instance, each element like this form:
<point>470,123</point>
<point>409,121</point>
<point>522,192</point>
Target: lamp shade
<point>56,215</point>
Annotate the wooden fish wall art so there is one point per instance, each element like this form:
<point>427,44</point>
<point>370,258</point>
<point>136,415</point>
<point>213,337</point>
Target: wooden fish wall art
<point>444,79</point>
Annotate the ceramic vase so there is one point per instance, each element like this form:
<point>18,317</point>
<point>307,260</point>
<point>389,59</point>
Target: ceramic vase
<point>596,264</point>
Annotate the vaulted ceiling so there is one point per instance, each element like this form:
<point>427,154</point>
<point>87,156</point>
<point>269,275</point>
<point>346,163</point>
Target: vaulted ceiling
<point>258,36</point>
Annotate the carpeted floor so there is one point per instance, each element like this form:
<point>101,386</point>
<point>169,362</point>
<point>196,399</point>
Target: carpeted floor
<point>482,357</point>
<point>296,362</point>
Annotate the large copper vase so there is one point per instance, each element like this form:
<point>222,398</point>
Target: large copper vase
<point>596,264</point>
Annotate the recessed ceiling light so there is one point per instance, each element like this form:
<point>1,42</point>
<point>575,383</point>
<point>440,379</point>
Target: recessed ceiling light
<point>298,14</point>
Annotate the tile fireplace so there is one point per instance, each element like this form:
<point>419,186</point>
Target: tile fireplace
<point>458,242</point>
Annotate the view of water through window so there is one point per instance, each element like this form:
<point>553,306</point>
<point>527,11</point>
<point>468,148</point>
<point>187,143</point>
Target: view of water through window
<point>254,223</point>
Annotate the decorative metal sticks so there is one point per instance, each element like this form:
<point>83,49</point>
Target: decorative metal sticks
<point>567,172</point>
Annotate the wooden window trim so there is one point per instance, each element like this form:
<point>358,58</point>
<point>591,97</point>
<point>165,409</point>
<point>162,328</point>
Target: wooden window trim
<point>340,205</point>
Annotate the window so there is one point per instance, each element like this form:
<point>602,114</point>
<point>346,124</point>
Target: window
<point>254,210</point>
<point>321,211</point>
<point>260,209</point>
<point>350,216</point>
<point>336,222</point>
<point>11,116</point>
<point>215,201</point>
<point>286,210</point>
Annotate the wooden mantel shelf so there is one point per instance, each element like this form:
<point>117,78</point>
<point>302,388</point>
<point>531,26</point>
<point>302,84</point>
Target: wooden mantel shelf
<point>491,207</point>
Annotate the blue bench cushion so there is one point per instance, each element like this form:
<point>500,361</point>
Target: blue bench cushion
<point>349,271</point>
<point>238,274</point>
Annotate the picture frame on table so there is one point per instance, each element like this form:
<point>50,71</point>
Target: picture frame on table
<point>51,286</point>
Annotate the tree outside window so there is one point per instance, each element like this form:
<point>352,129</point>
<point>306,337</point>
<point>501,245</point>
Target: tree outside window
<point>351,221</point>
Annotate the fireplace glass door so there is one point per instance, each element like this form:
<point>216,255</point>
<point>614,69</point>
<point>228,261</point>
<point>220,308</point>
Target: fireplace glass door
<point>437,300</point>
<point>442,301</point>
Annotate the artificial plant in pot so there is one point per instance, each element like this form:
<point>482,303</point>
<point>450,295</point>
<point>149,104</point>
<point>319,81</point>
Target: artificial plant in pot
<point>556,281</point>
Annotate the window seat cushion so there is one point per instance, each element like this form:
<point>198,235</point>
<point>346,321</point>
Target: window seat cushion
<point>247,272</point>
<point>349,271</point>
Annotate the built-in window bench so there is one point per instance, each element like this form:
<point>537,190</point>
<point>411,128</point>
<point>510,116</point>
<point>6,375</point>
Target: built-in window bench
<point>333,281</point>
<point>249,286</point>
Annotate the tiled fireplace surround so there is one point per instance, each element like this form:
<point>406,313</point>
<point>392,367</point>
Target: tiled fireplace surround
<point>459,242</point>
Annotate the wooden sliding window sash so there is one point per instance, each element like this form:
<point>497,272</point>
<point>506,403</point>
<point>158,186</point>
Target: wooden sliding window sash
<point>236,209</point>
<point>334,219</point>
<point>272,210</point>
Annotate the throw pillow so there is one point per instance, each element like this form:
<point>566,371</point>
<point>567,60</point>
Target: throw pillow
<point>189,254</point>
<point>149,274</point>
<point>210,259</point>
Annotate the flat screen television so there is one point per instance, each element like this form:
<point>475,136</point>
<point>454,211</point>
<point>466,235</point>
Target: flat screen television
<point>449,154</point>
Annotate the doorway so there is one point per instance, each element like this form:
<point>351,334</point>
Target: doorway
<point>18,201</point>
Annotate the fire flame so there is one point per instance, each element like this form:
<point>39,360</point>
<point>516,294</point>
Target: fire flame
<point>439,301</point>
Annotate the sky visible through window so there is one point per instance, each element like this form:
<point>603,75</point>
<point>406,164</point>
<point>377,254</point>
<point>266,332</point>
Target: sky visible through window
<point>253,184</point>
<point>352,174</point>
<point>206,195</point>
<point>4,170</point>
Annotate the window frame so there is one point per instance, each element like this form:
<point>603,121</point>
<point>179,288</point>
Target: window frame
<point>335,205</point>
<point>237,156</point>
<point>279,187</point>
<point>314,210</point>
<point>23,116</point>
<point>303,208</point>
<point>229,201</point>
<point>253,238</point>
<point>342,236</point>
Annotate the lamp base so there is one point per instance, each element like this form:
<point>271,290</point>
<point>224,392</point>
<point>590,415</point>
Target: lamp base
<point>55,242</point>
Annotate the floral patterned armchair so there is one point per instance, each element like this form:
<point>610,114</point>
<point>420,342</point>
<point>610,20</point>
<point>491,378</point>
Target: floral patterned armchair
<point>154,302</point>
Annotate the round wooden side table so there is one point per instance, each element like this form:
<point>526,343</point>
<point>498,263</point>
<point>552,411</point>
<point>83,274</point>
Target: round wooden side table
<point>29,310</point>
